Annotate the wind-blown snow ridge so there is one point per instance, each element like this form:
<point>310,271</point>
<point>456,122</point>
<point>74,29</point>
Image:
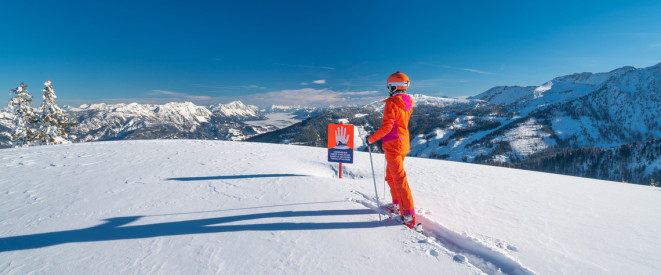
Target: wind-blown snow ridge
<point>483,257</point>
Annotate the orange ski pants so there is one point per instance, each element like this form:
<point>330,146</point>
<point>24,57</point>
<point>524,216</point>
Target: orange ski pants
<point>399,186</point>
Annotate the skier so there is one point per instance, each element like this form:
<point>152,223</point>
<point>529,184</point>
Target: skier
<point>395,134</point>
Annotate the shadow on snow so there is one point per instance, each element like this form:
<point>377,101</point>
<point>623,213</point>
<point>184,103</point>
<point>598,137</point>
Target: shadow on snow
<point>236,177</point>
<point>248,208</point>
<point>114,229</point>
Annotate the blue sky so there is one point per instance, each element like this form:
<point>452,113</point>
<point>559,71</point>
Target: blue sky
<point>312,52</point>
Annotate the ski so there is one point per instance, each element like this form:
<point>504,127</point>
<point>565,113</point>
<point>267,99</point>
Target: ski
<point>418,228</point>
<point>388,210</point>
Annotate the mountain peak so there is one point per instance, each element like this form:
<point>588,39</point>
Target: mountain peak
<point>623,70</point>
<point>559,89</point>
<point>236,103</point>
<point>235,108</point>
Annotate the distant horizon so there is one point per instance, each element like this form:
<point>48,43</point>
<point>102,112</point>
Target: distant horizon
<point>209,102</point>
<point>313,53</point>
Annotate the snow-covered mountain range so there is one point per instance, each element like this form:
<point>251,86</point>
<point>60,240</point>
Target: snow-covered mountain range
<point>606,124</point>
<point>172,120</point>
<point>583,110</point>
<point>516,126</point>
<point>232,121</point>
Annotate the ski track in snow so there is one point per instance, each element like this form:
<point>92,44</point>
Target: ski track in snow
<point>278,209</point>
<point>456,245</point>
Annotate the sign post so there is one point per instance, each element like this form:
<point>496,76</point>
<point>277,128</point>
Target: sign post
<point>340,144</point>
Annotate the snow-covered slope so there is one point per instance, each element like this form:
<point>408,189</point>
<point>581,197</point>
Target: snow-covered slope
<point>199,207</point>
<point>581,110</point>
<point>617,108</point>
<point>561,89</point>
<point>236,109</point>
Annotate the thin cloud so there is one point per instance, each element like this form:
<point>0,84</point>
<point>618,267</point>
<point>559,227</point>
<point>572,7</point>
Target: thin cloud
<point>361,93</point>
<point>163,98</point>
<point>476,71</point>
<point>320,81</point>
<point>646,34</point>
<point>182,96</point>
<point>436,82</point>
<point>468,70</point>
<point>229,87</point>
<point>256,87</point>
<point>310,97</point>
<point>361,83</point>
<point>455,68</point>
<point>308,66</point>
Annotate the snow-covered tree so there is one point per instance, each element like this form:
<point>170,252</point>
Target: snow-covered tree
<point>53,125</point>
<point>24,117</point>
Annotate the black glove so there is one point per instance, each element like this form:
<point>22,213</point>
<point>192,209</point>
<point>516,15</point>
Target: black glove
<point>367,139</point>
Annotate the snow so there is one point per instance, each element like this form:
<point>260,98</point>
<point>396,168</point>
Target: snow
<point>539,91</point>
<point>235,109</point>
<point>425,145</point>
<point>439,101</point>
<point>360,134</point>
<point>277,120</point>
<point>178,111</point>
<point>560,89</point>
<point>584,129</point>
<point>462,122</point>
<point>528,138</point>
<point>421,99</point>
<point>283,108</point>
<point>504,94</point>
<point>199,207</point>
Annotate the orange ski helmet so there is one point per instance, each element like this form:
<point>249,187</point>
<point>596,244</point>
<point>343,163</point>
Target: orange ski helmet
<point>398,81</point>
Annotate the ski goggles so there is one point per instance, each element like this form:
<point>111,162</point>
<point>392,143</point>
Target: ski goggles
<point>398,84</point>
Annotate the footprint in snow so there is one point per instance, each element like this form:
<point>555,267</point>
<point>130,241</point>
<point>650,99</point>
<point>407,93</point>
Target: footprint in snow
<point>460,258</point>
<point>505,245</point>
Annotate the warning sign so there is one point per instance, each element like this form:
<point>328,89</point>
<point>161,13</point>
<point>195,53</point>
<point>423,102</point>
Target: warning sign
<point>340,143</point>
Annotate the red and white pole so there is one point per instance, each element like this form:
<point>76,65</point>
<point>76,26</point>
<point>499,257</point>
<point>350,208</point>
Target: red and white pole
<point>340,172</point>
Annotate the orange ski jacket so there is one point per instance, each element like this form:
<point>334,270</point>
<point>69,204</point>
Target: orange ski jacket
<point>394,129</point>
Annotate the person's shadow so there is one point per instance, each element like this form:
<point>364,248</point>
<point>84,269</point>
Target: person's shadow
<point>236,177</point>
<point>114,229</point>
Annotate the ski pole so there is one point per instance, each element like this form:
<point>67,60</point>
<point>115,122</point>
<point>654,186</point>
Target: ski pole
<point>378,204</point>
<point>385,172</point>
<point>376,192</point>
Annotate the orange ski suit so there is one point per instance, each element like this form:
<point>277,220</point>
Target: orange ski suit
<point>395,134</point>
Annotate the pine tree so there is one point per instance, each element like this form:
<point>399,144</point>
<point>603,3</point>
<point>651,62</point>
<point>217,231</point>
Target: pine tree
<point>24,117</point>
<point>53,125</point>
